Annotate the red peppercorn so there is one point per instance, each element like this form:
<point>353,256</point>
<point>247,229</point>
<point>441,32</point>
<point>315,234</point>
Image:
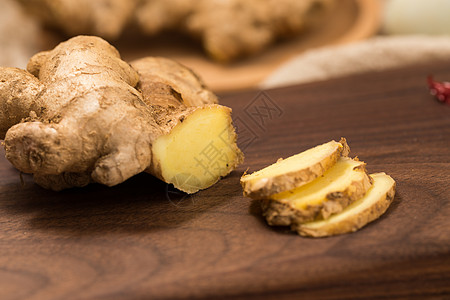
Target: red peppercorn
<point>441,90</point>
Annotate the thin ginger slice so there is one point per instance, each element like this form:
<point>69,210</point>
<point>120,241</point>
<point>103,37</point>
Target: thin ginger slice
<point>344,183</point>
<point>356,215</point>
<point>295,171</point>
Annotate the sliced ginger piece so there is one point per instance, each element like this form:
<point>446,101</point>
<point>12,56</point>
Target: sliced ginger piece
<point>198,142</point>
<point>295,171</point>
<point>344,183</point>
<point>356,215</point>
<point>199,150</point>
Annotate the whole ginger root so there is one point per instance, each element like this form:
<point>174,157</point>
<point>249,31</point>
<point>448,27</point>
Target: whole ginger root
<point>80,114</point>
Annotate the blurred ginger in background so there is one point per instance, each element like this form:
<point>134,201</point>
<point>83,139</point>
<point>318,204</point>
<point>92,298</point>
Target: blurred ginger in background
<point>227,29</point>
<point>236,32</point>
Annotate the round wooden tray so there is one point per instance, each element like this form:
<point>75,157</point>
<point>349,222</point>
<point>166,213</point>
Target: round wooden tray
<point>350,20</point>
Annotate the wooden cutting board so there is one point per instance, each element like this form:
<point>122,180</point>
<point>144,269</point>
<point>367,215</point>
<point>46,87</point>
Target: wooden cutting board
<point>143,240</point>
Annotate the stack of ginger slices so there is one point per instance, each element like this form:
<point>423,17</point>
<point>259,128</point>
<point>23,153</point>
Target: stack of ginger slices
<point>320,192</point>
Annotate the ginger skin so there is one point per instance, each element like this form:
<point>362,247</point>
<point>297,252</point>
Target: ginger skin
<point>86,122</point>
<point>15,86</point>
<point>89,105</point>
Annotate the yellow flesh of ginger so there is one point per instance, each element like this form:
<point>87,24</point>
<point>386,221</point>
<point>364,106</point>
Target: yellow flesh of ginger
<point>336,179</point>
<point>296,162</point>
<point>198,150</point>
<point>381,185</point>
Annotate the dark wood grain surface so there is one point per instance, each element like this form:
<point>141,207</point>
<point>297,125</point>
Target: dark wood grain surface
<point>142,240</point>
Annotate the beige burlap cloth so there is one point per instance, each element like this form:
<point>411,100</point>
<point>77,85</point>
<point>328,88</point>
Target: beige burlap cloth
<point>375,54</point>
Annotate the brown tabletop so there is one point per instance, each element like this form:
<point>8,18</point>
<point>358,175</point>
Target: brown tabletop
<point>143,240</point>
